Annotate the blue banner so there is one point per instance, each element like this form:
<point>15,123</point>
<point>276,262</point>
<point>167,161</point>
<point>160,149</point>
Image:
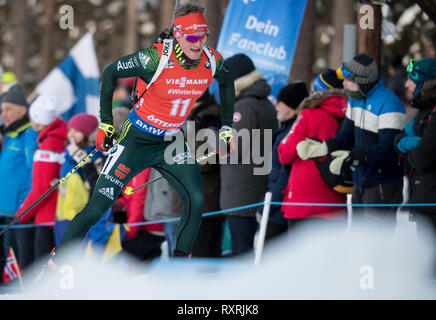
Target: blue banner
<point>266,31</point>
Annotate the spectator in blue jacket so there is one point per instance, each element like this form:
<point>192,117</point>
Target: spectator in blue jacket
<point>16,158</point>
<point>375,115</point>
<point>288,100</point>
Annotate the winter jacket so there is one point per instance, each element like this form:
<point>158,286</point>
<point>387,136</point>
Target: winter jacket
<point>278,178</point>
<point>421,160</point>
<point>208,116</point>
<point>240,184</point>
<point>47,162</point>
<point>318,118</point>
<point>370,127</point>
<point>16,158</point>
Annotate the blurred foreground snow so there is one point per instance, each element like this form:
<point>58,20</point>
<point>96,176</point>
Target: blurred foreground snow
<point>319,263</point>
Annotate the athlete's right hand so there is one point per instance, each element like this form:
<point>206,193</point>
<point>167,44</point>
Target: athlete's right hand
<point>104,137</point>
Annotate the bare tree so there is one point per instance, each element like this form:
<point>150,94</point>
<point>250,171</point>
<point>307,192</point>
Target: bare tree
<point>214,14</point>
<point>303,57</point>
<point>131,39</point>
<point>369,31</point>
<point>47,56</point>
<point>20,22</point>
<point>166,13</point>
<point>342,14</point>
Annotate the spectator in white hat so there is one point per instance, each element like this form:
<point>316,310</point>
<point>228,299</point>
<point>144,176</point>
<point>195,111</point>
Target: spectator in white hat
<point>47,161</point>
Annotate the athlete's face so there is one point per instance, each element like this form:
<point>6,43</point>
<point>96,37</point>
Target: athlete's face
<point>192,45</point>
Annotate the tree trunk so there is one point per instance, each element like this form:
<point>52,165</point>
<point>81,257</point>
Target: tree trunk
<point>429,7</point>
<point>342,14</point>
<point>301,68</point>
<point>47,50</point>
<point>131,39</point>
<point>369,30</point>
<point>214,15</point>
<point>20,21</point>
<point>166,13</point>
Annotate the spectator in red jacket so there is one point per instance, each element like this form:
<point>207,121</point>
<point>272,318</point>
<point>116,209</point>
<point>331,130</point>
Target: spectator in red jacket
<point>47,161</point>
<point>319,117</point>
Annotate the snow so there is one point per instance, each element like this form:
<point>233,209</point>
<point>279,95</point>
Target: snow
<point>320,263</point>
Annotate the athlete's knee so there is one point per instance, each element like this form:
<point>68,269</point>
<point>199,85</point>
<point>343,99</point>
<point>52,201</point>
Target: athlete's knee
<point>197,198</point>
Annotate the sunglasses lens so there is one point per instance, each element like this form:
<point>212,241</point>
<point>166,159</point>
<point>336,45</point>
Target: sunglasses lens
<point>195,38</point>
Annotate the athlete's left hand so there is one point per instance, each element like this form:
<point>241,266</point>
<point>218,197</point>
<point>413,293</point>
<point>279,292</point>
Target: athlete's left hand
<point>226,140</point>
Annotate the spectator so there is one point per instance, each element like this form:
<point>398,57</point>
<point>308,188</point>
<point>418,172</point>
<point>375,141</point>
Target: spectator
<point>143,242</point>
<point>417,142</point>
<point>397,78</point>
<point>47,161</point>
<point>374,116</point>
<point>16,157</point>
<point>239,186</point>
<point>121,97</point>
<point>206,115</point>
<point>120,114</point>
<point>74,193</point>
<point>288,100</point>
<point>319,117</point>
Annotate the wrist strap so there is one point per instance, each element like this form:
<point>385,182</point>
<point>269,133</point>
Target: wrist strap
<point>107,128</point>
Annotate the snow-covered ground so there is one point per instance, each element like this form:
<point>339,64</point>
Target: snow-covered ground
<point>367,263</point>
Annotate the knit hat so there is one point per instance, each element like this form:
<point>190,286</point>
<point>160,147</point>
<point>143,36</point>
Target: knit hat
<point>292,94</point>
<point>239,65</point>
<point>8,77</point>
<point>363,69</point>
<point>421,71</point>
<point>329,79</point>
<point>43,109</point>
<point>15,95</point>
<point>84,123</point>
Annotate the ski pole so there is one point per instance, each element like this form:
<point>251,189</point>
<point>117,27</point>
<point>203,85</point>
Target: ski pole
<point>130,191</point>
<point>80,164</point>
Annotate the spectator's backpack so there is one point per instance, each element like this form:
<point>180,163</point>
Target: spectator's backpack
<point>342,183</point>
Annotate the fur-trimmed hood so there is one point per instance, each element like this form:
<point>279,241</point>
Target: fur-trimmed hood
<point>428,91</point>
<point>334,101</point>
<point>252,84</point>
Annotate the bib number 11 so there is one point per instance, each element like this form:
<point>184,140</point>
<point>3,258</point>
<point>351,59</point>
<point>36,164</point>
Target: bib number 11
<point>176,105</point>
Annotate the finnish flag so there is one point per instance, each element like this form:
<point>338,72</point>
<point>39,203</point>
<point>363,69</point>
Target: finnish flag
<point>75,81</point>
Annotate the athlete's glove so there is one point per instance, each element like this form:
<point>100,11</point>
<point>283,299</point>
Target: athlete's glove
<point>226,141</point>
<point>103,138</point>
<point>312,148</point>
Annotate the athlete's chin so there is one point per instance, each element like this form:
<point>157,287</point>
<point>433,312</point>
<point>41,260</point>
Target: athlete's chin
<point>194,54</point>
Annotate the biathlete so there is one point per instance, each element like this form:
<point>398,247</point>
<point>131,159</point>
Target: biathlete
<point>166,91</point>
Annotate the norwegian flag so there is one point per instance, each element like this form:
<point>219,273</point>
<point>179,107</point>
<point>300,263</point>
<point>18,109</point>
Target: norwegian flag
<point>12,269</point>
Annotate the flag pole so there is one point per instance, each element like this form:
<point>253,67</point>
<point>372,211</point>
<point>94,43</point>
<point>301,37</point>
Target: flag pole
<point>17,268</point>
